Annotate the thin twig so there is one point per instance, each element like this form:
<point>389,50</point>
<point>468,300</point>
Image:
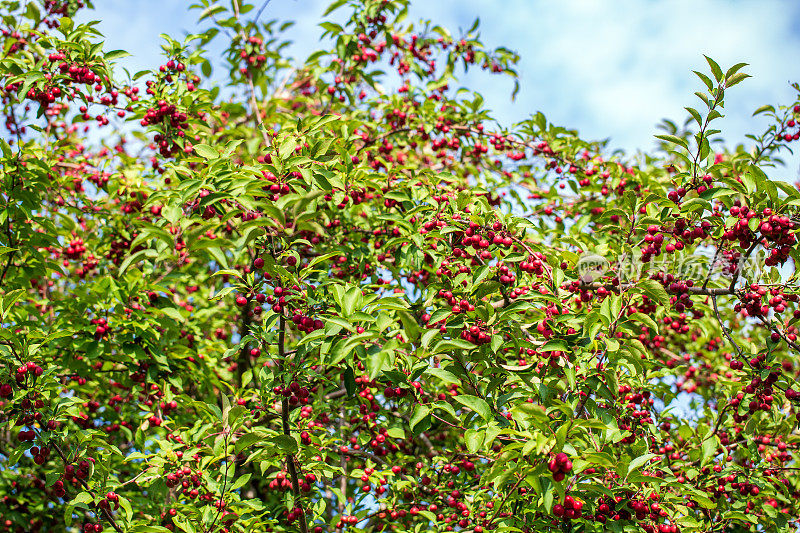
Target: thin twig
<point>256,111</point>
<point>261,10</point>
<point>133,479</point>
<point>724,328</point>
<point>741,264</point>
<point>711,266</point>
<point>290,460</point>
<point>220,504</point>
<point>343,466</point>
<point>718,423</point>
<point>106,513</point>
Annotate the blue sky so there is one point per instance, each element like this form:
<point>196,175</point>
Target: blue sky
<point>608,68</point>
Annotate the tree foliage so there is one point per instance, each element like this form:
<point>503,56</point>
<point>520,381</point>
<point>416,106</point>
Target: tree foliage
<point>336,295</point>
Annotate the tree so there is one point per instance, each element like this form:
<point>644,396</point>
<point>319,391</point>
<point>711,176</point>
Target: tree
<point>335,295</point>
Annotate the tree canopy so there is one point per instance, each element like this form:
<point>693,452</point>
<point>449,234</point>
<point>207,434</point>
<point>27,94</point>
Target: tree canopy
<point>244,293</point>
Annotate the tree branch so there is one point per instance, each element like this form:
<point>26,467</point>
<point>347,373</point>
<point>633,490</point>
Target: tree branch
<point>106,513</point>
<point>290,460</point>
<point>724,328</point>
<point>702,291</point>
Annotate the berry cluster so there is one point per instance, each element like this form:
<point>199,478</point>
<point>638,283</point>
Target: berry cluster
<point>295,392</point>
<point>761,391</point>
<point>559,466</point>
<point>476,333</point>
<point>75,249</point>
<point>570,509</point>
<point>252,53</point>
<point>171,121</point>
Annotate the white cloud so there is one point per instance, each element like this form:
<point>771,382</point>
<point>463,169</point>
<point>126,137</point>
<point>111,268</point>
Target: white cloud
<point>617,68</point>
<point>609,68</point>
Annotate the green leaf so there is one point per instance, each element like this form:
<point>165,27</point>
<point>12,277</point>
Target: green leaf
<point>241,481</point>
<point>286,148</point>
<point>474,440</point>
<point>476,404</point>
<point>646,320</point>
<point>714,68</point>
<point>331,27</point>
<point>736,78</point>
<point>764,109</point>
<point>444,375</point>
<point>234,273</point>
<point>555,345</point>
<point>136,257</point>
<point>6,148</point>
<point>705,79</point>
<point>420,419</point>
<point>376,362</point>
<point>205,151</point>
<point>247,440</point>
<point>173,313</point>
<point>350,300</point>
<point>125,504</point>
<point>448,345</point>
<point>333,7</point>
<point>285,443</point>
<point>223,292</point>
<point>674,139</point>
<point>172,213</point>
<point>654,290</point>
<point>695,115</point>
<point>396,432</point>
<point>82,497</point>
<point>640,462</point>
<point>349,381</point>
<point>226,408</point>
<point>184,523</point>
<point>10,298</point>
<point>734,69</point>
<point>496,343</point>
<point>115,54</point>
<point>703,500</point>
<point>710,446</point>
